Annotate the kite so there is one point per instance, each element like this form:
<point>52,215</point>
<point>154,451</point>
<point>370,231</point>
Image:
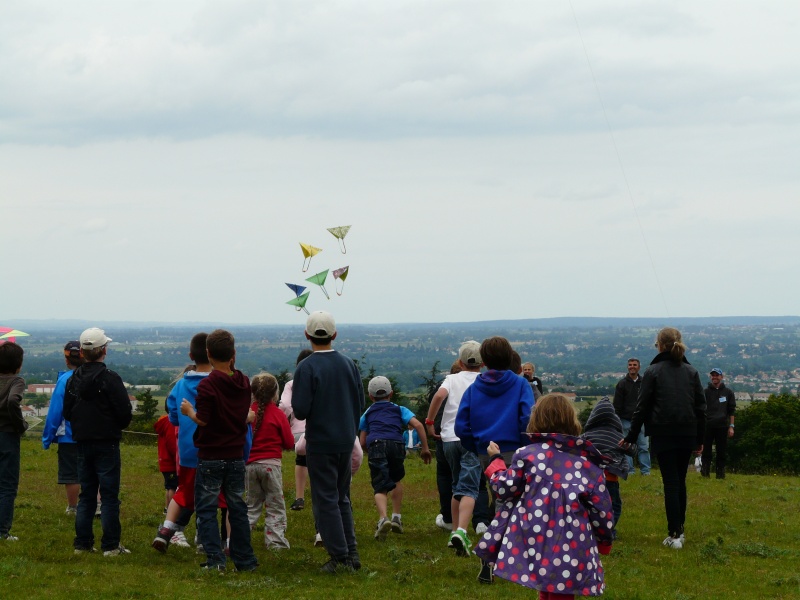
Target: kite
<point>341,275</point>
<point>300,301</point>
<point>339,233</point>
<point>11,335</point>
<point>319,279</point>
<point>308,252</point>
<point>298,292</point>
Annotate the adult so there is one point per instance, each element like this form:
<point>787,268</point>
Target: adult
<point>58,430</point>
<point>97,405</point>
<point>626,395</point>
<point>672,407</point>
<point>720,409</point>
<point>529,373</point>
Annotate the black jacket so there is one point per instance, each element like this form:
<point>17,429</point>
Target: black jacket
<point>96,404</point>
<point>720,404</point>
<point>626,395</point>
<point>671,401</point>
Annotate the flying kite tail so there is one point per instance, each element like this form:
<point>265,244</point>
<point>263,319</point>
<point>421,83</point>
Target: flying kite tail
<point>339,288</point>
<point>342,247</point>
<point>306,310</point>
<point>324,291</point>
<point>306,263</point>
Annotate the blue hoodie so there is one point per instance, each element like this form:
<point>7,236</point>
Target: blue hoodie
<point>185,388</point>
<point>56,429</point>
<point>495,408</point>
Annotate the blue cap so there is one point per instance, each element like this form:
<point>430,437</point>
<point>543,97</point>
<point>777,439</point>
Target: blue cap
<point>716,371</point>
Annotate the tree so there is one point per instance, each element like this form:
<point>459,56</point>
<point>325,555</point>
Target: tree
<point>283,378</point>
<point>38,402</point>
<point>147,408</point>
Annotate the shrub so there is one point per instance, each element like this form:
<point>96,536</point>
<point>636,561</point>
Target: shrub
<point>767,439</point>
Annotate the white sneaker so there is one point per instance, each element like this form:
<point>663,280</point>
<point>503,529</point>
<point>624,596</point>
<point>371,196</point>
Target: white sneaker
<point>318,541</point>
<point>117,551</point>
<point>673,542</point>
<point>71,511</point>
<point>441,524</point>
<point>179,540</point>
<point>481,528</point>
<point>9,538</point>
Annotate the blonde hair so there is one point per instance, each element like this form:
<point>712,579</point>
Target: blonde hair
<point>264,388</point>
<point>554,413</point>
<point>669,340</point>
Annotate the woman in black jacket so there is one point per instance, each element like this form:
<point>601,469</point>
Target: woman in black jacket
<point>672,409</point>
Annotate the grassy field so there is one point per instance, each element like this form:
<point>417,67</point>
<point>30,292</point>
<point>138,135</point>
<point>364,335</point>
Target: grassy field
<point>742,533</point>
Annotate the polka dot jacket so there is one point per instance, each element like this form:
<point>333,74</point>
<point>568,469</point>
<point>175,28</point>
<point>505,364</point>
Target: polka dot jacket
<point>553,509</point>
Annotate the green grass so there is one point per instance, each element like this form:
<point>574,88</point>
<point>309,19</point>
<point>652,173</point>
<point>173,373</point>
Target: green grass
<point>743,539</point>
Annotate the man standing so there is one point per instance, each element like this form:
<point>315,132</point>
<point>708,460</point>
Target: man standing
<point>626,395</point>
<point>96,403</point>
<point>720,409</point>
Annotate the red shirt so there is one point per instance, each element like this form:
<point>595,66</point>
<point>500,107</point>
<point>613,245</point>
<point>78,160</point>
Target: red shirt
<point>167,445</point>
<point>273,436</point>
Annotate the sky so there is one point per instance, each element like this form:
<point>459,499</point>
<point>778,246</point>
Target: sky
<point>162,161</point>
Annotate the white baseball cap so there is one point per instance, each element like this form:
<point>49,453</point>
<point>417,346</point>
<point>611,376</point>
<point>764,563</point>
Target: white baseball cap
<point>94,338</point>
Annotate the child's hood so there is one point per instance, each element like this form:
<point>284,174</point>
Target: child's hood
<point>604,415</point>
<point>571,444</point>
<point>233,382</point>
<point>495,383</point>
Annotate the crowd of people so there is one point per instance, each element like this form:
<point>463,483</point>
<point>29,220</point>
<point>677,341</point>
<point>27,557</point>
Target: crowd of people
<point>541,492</point>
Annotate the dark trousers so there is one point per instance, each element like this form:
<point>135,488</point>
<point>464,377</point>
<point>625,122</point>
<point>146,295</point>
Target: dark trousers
<point>99,468</point>
<point>9,478</point>
<point>718,436</point>
<point>330,495</point>
<point>673,473</point>
<point>444,485</point>
<point>616,499</point>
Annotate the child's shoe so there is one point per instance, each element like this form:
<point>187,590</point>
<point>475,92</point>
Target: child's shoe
<point>179,540</point>
<point>318,541</point>
<point>118,551</point>
<point>442,524</point>
<point>9,538</point>
<point>487,573</point>
<point>481,528</point>
<point>298,504</point>
<point>397,524</point>
<point>162,539</point>
<point>383,529</point>
<point>673,542</point>
<point>461,542</point>
<point>71,511</point>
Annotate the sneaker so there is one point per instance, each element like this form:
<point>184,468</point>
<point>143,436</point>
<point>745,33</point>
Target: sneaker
<point>162,540</point>
<point>397,524</point>
<point>117,551</point>
<point>179,540</point>
<point>442,524</point>
<point>9,538</point>
<point>198,546</point>
<point>461,542</point>
<point>97,512</point>
<point>298,504</point>
<point>212,568</point>
<point>673,542</point>
<point>84,550</point>
<point>248,568</point>
<point>318,541</point>
<point>334,566</point>
<point>355,560</point>
<point>481,528</point>
<point>487,573</point>
<point>383,528</point>
<point>71,511</point>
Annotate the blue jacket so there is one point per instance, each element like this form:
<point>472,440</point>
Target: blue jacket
<point>385,420</point>
<point>56,429</point>
<point>185,388</point>
<point>496,408</point>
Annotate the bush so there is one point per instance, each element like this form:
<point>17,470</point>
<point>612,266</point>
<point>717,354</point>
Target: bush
<point>767,439</point>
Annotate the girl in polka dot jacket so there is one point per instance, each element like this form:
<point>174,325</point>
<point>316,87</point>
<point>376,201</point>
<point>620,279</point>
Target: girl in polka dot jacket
<point>554,516</point>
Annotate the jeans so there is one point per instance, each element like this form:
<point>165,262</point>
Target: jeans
<point>444,485</point>
<point>9,478</point>
<point>466,469</point>
<point>99,468</point>
<point>673,473</point>
<point>644,453</point>
<point>330,475</point>
<point>226,476</point>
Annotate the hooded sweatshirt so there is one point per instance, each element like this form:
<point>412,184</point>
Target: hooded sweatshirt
<point>223,401</point>
<point>185,389</point>
<point>96,404</point>
<point>496,408</point>
<point>604,430</point>
<point>11,389</point>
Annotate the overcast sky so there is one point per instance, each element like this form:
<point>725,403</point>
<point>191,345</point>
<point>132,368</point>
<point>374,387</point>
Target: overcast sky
<point>163,160</point>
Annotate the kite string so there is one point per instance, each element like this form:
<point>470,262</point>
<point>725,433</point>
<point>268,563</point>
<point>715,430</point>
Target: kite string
<point>619,160</point>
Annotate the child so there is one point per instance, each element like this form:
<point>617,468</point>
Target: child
<point>554,513</point>
<point>223,404</point>
<point>382,427</point>
<point>12,428</point>
<point>271,435</point>
<point>298,429</point>
<point>181,507</point>
<point>604,430</point>
<point>167,456</point>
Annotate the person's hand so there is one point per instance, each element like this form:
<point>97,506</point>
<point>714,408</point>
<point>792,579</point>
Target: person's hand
<point>251,416</point>
<point>730,431</point>
<point>492,449</point>
<point>624,445</point>
<point>425,455</point>
<point>186,407</point>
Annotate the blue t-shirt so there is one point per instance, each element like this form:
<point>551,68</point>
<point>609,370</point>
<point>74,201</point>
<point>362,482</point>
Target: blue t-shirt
<point>385,420</point>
